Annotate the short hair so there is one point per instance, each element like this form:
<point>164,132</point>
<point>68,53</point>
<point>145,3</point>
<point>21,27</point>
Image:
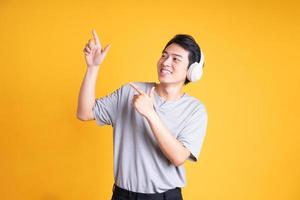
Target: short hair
<point>188,43</point>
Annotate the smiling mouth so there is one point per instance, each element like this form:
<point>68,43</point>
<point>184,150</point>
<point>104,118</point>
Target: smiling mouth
<point>165,71</point>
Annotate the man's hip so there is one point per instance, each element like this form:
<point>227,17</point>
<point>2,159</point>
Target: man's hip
<point>122,194</point>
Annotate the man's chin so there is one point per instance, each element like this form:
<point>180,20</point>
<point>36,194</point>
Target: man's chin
<point>165,80</point>
<point>168,81</point>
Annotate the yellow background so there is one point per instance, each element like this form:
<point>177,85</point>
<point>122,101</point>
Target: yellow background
<point>250,87</point>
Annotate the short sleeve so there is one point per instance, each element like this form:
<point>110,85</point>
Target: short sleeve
<point>105,108</point>
<point>194,131</point>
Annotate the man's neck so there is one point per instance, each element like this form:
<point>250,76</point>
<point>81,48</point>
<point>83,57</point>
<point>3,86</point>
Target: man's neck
<point>169,92</point>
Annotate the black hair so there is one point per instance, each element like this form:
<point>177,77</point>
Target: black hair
<point>188,43</point>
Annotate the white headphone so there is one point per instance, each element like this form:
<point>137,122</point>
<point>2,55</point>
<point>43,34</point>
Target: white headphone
<point>195,71</point>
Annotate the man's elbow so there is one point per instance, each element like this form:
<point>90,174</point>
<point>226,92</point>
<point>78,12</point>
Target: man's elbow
<point>80,117</point>
<point>84,117</point>
<point>179,160</point>
<point>178,163</point>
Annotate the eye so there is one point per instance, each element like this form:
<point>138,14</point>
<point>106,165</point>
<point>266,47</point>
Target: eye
<point>176,59</point>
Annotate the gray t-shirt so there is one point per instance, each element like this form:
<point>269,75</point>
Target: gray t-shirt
<point>139,164</point>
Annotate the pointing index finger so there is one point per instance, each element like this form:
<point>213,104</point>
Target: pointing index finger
<point>137,88</point>
<point>97,41</point>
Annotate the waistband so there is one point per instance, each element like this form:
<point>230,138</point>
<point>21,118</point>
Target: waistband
<point>176,192</point>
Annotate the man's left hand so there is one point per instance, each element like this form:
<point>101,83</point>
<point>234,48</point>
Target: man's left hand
<point>143,102</point>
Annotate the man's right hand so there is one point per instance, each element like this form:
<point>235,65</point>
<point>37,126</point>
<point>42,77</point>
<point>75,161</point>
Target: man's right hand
<point>94,54</point>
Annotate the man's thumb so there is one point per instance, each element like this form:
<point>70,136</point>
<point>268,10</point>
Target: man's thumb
<point>105,50</point>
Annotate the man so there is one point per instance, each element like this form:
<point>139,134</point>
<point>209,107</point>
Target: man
<point>156,126</point>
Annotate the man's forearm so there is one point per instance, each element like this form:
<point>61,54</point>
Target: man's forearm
<point>169,145</point>
<point>86,97</point>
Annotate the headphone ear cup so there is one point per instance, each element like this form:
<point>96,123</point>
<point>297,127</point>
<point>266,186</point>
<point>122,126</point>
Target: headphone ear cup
<point>195,72</point>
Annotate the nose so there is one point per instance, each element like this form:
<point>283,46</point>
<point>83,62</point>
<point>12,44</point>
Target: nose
<point>167,61</point>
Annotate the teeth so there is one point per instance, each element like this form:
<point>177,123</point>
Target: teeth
<point>165,71</point>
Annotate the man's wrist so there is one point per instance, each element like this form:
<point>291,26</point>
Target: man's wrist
<point>152,115</point>
<point>93,68</point>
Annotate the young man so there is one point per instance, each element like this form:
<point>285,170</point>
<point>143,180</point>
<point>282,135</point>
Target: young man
<point>156,126</point>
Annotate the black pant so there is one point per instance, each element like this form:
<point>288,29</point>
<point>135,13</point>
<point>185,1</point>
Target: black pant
<point>122,194</point>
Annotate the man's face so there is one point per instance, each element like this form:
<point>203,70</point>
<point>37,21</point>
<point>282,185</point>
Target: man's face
<point>172,65</point>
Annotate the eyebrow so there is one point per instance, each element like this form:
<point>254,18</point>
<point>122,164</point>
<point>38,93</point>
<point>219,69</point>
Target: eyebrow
<point>173,54</point>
